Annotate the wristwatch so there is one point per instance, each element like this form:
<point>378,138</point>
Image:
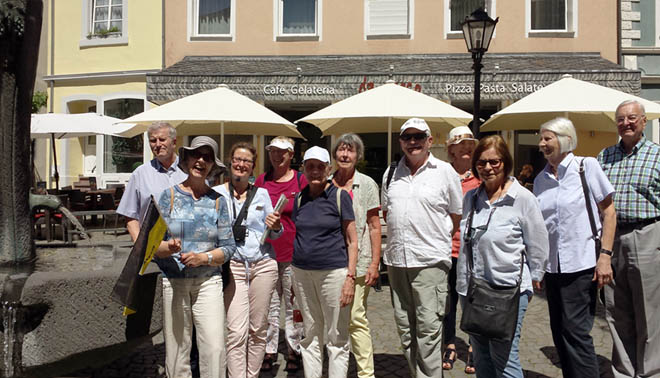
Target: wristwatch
<point>210,256</point>
<point>606,251</point>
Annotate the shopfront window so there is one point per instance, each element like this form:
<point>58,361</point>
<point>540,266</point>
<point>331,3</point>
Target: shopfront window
<point>298,17</point>
<point>213,17</point>
<point>122,155</point>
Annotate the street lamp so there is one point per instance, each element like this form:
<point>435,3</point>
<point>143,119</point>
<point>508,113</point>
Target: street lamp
<point>478,30</point>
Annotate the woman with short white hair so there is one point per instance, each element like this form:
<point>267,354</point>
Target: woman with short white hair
<point>577,265</point>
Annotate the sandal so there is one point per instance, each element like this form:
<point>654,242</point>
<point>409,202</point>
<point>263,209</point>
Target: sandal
<point>469,364</point>
<point>292,363</point>
<point>267,364</point>
<point>448,359</point>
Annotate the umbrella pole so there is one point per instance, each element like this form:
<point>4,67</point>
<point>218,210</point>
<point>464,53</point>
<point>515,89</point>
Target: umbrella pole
<point>222,140</point>
<point>57,174</point>
<point>389,141</point>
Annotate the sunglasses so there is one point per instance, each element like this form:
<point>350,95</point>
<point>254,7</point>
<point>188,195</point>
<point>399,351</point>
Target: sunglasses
<point>196,154</point>
<point>415,136</point>
<point>494,163</point>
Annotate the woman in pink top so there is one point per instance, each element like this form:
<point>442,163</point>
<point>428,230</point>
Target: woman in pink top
<point>281,179</point>
<point>460,146</point>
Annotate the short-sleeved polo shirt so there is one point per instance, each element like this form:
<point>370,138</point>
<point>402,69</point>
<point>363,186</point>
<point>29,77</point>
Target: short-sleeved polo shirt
<point>147,180</point>
<point>319,242</point>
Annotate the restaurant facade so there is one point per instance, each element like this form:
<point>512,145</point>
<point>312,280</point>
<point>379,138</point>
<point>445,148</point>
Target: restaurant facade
<point>298,56</point>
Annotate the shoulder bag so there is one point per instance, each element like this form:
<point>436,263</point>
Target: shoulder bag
<point>489,310</point>
<point>238,230</point>
<point>587,201</point>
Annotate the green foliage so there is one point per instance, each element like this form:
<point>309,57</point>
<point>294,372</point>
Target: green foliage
<point>39,100</point>
<point>104,33</point>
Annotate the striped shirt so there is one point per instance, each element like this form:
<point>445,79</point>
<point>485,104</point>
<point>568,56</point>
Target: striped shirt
<point>636,180</point>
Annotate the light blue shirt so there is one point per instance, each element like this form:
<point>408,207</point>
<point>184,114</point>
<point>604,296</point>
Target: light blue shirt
<point>572,247</point>
<point>251,250</point>
<point>147,180</point>
<point>502,231</point>
<point>201,224</point>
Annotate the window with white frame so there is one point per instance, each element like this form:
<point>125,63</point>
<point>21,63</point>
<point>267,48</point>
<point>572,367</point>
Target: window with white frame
<point>122,155</point>
<point>298,17</point>
<point>551,18</point>
<point>457,10</point>
<point>107,16</point>
<point>213,17</point>
<point>548,15</point>
<point>103,22</point>
<point>388,17</point>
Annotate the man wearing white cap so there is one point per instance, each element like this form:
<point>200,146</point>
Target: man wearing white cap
<point>422,204</point>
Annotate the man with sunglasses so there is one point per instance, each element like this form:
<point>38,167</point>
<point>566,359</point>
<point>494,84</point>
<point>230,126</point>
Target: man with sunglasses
<point>632,300</point>
<point>422,204</point>
<point>161,173</point>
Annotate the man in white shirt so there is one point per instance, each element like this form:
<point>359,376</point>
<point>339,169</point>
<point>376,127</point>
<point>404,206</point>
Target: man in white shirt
<point>422,202</point>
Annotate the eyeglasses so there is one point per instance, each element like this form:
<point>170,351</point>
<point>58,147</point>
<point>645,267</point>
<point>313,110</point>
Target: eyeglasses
<point>630,117</point>
<point>415,136</point>
<point>196,154</point>
<point>237,160</point>
<point>494,163</point>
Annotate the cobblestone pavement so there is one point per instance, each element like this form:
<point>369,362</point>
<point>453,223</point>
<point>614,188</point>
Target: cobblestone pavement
<point>537,352</point>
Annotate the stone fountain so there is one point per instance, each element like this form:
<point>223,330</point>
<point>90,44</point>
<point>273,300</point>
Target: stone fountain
<point>55,318</point>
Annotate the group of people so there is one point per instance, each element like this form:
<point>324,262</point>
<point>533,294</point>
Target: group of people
<point>321,253</point>
<point>447,224</point>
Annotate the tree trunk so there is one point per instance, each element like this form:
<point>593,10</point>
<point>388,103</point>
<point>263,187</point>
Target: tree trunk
<point>20,29</point>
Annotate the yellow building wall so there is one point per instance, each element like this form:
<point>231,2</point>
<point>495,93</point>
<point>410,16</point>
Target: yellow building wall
<point>589,145</point>
<point>342,32</point>
<point>143,50</point>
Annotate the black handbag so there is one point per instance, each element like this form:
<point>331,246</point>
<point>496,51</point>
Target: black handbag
<point>489,310</point>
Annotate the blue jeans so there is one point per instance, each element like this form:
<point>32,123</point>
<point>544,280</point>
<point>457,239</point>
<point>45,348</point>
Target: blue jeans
<point>499,359</point>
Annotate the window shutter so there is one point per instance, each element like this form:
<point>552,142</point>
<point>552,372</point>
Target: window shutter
<point>388,17</point>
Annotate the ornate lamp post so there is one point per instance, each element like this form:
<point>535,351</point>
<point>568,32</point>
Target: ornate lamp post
<point>478,30</point>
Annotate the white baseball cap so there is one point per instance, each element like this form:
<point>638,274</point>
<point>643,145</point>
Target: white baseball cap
<point>317,153</point>
<point>282,144</point>
<point>459,134</point>
<point>416,123</point>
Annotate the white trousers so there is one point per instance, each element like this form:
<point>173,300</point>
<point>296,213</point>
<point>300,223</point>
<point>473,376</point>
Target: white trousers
<point>283,296</point>
<point>198,302</point>
<point>326,322</point>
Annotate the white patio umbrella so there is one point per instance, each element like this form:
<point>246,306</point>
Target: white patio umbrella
<point>589,106</point>
<point>60,125</point>
<point>219,109</point>
<point>380,109</point>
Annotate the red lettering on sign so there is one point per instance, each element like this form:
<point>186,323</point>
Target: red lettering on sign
<point>366,85</point>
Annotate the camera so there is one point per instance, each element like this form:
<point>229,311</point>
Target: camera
<point>240,232</point>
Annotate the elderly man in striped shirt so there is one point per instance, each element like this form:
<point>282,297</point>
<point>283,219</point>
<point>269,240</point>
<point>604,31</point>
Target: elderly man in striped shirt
<point>633,300</point>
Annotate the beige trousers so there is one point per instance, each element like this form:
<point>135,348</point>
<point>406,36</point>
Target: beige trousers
<point>198,301</point>
<point>247,301</point>
<point>359,330</point>
<point>326,322</point>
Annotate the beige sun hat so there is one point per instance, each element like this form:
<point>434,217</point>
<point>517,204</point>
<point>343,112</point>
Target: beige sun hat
<point>196,143</point>
<point>459,134</point>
